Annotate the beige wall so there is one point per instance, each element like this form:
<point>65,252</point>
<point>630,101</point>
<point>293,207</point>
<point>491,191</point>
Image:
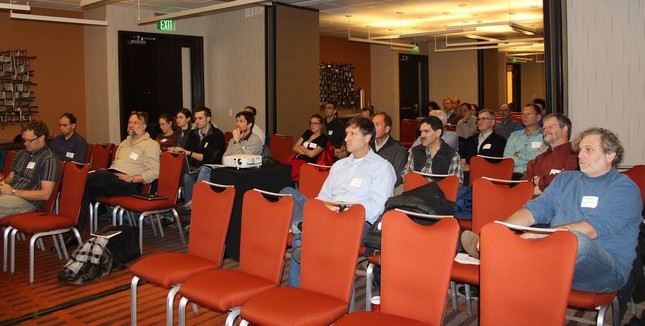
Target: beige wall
<point>233,64</point>
<point>533,81</point>
<point>385,83</point>
<point>606,72</point>
<point>453,74</point>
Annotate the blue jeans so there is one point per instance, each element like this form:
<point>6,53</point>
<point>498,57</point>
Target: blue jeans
<point>298,204</point>
<point>595,269</point>
<point>190,179</point>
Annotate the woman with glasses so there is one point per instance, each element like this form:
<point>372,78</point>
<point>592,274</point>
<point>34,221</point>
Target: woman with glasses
<point>167,138</point>
<point>309,146</point>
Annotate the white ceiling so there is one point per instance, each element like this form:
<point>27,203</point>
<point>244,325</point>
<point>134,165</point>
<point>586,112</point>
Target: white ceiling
<point>377,18</point>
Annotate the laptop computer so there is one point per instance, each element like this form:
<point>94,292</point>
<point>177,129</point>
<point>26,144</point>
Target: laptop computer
<point>187,167</point>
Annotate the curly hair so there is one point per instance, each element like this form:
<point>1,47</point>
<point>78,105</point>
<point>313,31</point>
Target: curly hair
<point>38,127</point>
<point>608,141</point>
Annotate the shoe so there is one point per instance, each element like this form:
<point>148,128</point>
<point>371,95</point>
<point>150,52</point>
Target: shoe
<point>71,241</point>
<point>470,243</point>
<point>474,291</point>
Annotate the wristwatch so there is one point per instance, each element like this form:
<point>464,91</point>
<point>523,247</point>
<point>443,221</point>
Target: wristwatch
<point>131,179</point>
<point>13,192</point>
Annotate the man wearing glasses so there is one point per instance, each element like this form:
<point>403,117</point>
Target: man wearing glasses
<point>136,162</point>
<point>34,173</point>
<point>487,142</point>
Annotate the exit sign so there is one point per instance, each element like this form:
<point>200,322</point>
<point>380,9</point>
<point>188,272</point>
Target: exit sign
<point>166,25</point>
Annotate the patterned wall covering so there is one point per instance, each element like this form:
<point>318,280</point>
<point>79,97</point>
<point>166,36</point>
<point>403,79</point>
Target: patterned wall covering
<point>606,70</point>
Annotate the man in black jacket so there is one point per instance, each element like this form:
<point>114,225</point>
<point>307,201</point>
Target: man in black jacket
<point>387,147</point>
<point>205,145</point>
<point>487,142</point>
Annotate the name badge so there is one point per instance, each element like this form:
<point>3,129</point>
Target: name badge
<point>134,156</point>
<point>313,145</point>
<point>589,201</point>
<point>164,140</point>
<point>536,144</point>
<point>205,144</point>
<point>330,132</point>
<point>31,165</point>
<point>554,171</point>
<point>486,146</point>
<point>69,154</point>
<point>356,182</point>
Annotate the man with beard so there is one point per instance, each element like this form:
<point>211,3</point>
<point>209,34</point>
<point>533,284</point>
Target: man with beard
<point>136,162</point>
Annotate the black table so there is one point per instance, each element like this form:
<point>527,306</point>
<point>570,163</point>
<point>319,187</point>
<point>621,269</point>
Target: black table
<point>272,177</point>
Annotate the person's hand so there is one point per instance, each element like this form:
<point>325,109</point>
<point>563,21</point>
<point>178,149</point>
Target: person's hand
<point>236,135</point>
<point>532,235</point>
<point>123,177</point>
<point>5,189</point>
<point>464,166</point>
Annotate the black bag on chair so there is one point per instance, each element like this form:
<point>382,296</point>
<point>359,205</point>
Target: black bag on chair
<point>427,199</point>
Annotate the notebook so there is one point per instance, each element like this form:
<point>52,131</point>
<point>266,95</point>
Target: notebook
<point>149,196</point>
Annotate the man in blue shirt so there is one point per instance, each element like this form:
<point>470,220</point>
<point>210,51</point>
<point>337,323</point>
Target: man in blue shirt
<point>69,145</point>
<point>601,206</point>
<point>363,178</point>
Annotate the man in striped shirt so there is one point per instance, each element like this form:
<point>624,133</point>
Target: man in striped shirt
<point>34,173</point>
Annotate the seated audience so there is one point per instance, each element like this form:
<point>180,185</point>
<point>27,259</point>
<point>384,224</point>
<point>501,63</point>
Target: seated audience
<point>557,158</point>
<point>433,155</point>
<point>487,142</point>
<point>601,206</point>
<point>167,137</point>
<point>363,177</point>
<point>387,147</point>
<point>205,145</point>
<point>335,130</point>
<point>244,141</point>
<point>507,125</point>
<point>467,125</point>
<point>69,145</point>
<point>309,146</point>
<point>256,129</point>
<point>34,173</point>
<point>524,145</point>
<point>367,112</point>
<point>450,137</point>
<point>183,120</point>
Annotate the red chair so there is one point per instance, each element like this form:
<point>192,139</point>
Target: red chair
<point>170,167</point>
<point>490,202</point>
<point>41,224</point>
<point>525,282</point>
<point>414,282</point>
<point>109,201</point>
<point>48,207</point>
<point>265,225</point>
<point>408,132</point>
<point>327,272</point>
<point>205,247</point>
<point>449,184</point>
<point>88,153</point>
<point>599,301</point>
<point>637,174</point>
<point>8,163</point>
<point>280,146</point>
<point>113,153</point>
<point>227,137</point>
<point>100,156</point>
<point>312,178</point>
<point>498,168</point>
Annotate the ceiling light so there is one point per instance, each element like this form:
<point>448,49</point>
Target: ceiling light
<point>438,32</point>
<point>191,12</point>
<point>59,19</point>
<point>364,40</point>
<point>522,29</point>
<point>13,6</point>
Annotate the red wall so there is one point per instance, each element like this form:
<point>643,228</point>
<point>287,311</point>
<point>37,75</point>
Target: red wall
<point>340,50</point>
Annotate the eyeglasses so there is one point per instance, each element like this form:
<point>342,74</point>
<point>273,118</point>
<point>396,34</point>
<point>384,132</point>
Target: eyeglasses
<point>484,119</point>
<point>314,123</point>
<point>29,141</point>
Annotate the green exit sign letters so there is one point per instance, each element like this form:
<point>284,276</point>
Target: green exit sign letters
<point>166,25</point>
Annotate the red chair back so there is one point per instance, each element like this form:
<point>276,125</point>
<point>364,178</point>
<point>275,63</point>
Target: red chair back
<point>8,162</point>
<point>100,156</point>
<point>512,267</point>
<point>328,267</point>
<point>208,226</point>
<point>312,179</point>
<point>280,146</point>
<point>493,202</point>
<point>481,167</point>
<point>408,132</point>
<point>74,178</point>
<point>414,283</point>
<point>265,228</point>
<point>170,166</point>
<point>449,185</point>
<point>88,154</point>
<point>227,137</point>
<point>637,174</point>
<point>113,153</point>
<point>50,204</point>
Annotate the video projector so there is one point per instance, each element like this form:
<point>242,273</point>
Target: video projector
<point>242,161</point>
